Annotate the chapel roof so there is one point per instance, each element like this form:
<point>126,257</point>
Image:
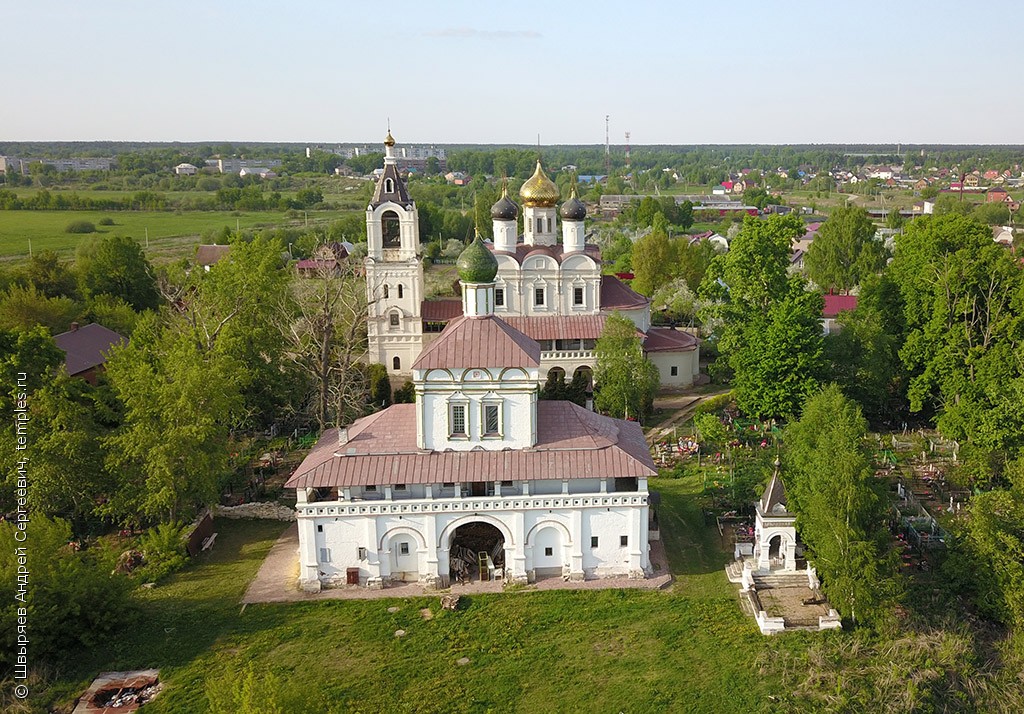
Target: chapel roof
<point>774,496</point>
<point>488,341</point>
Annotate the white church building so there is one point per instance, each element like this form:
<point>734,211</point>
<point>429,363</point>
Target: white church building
<point>548,287</point>
<point>478,478</point>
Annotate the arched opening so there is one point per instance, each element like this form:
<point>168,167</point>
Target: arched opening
<point>396,363</point>
<point>776,555</point>
<point>405,557</point>
<point>477,552</point>
<point>394,320</point>
<point>555,387</point>
<point>584,376</point>
<point>387,292</point>
<point>548,552</point>
<point>390,227</point>
<point>581,388</point>
<point>389,186</point>
<point>400,291</point>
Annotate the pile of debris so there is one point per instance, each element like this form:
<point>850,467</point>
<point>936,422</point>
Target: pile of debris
<point>124,691</point>
<point>267,511</point>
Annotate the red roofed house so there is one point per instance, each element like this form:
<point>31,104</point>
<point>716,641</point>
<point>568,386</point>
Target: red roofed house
<point>86,348</point>
<point>478,479</point>
<point>834,305</point>
<point>549,286</point>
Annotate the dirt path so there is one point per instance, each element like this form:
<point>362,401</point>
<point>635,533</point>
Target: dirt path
<point>684,406</point>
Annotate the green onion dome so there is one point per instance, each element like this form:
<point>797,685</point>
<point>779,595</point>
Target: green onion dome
<point>476,264</point>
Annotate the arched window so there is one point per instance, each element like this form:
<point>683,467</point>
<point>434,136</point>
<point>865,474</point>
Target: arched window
<point>396,364</point>
<point>399,291</point>
<point>389,186</point>
<point>385,290</point>
<point>393,319</point>
<point>390,228</point>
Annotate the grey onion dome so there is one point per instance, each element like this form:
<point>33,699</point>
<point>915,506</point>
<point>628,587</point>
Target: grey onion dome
<point>505,209</point>
<point>573,209</point>
<point>476,264</point>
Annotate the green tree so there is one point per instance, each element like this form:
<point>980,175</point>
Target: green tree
<point>845,250</point>
<point>116,265</point>
<point>180,401</point>
<point>767,323</point>
<point>26,308</point>
<point>50,276</point>
<point>626,380</point>
<point>840,514</point>
<point>652,262</point>
<point>380,385</point>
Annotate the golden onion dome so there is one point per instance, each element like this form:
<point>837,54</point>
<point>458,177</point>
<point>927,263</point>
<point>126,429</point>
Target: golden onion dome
<point>539,190</point>
<point>389,140</point>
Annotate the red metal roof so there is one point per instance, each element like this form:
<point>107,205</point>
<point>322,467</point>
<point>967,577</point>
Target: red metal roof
<point>616,295</point>
<point>667,339</point>
<point>441,310</point>
<point>835,304</point>
<point>560,327</point>
<point>572,443</point>
<point>86,347</point>
<point>479,342</point>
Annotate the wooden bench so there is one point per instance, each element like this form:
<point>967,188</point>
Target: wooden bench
<point>208,542</point>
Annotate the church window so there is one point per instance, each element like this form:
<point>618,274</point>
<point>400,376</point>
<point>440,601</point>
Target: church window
<point>386,291</point>
<point>403,549</point>
<point>393,319</point>
<point>538,297</point>
<point>624,541</point>
<point>389,224</point>
<point>396,364</point>
<point>400,291</point>
<point>529,225</point>
<point>361,553</point>
<point>499,297</point>
<point>577,296</point>
<point>548,552</point>
<point>389,186</point>
<point>593,541</point>
<point>675,371</point>
<point>492,414</point>
<point>399,486</point>
<point>319,529</point>
<point>458,420</point>
<point>325,555</point>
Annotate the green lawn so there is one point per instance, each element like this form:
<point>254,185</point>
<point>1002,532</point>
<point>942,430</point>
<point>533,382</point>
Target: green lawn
<point>167,230</point>
<point>689,649</point>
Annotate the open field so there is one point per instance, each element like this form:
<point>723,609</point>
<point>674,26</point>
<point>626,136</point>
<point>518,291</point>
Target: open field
<point>169,233</point>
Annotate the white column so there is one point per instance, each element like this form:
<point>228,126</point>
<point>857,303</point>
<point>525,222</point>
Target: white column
<point>576,550</point>
<point>309,566</point>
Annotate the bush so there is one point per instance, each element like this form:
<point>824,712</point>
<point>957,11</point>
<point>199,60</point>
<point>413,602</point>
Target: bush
<point>164,549</point>
<point>380,386</point>
<point>406,394</point>
<point>80,227</point>
<point>74,601</point>
<point>107,221</point>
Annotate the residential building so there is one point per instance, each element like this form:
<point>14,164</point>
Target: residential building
<point>86,349</point>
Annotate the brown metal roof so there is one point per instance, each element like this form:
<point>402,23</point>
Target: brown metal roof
<point>572,443</point>
<point>441,310</point>
<point>667,339</point>
<point>399,193</point>
<point>774,495</point>
<point>87,347</point>
<point>479,342</point>
<point>210,254</point>
<point>616,295</point>
<point>560,327</point>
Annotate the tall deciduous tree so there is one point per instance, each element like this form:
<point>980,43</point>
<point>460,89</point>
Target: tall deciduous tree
<point>180,402</point>
<point>767,323</point>
<point>116,265</point>
<point>652,262</point>
<point>626,380</point>
<point>840,515</point>
<point>845,250</point>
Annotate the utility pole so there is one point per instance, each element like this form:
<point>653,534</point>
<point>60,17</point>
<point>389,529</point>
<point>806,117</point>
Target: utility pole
<point>607,149</point>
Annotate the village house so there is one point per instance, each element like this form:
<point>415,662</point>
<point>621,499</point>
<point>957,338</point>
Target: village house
<point>86,348</point>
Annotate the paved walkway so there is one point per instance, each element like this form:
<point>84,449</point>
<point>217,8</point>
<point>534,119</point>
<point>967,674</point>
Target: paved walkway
<point>277,579</point>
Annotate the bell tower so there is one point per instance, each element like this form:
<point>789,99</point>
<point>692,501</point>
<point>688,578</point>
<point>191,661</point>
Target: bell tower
<point>394,273</point>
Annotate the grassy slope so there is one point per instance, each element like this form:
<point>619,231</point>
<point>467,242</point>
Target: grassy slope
<point>608,650</point>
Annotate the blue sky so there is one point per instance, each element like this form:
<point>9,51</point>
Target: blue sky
<point>479,72</point>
